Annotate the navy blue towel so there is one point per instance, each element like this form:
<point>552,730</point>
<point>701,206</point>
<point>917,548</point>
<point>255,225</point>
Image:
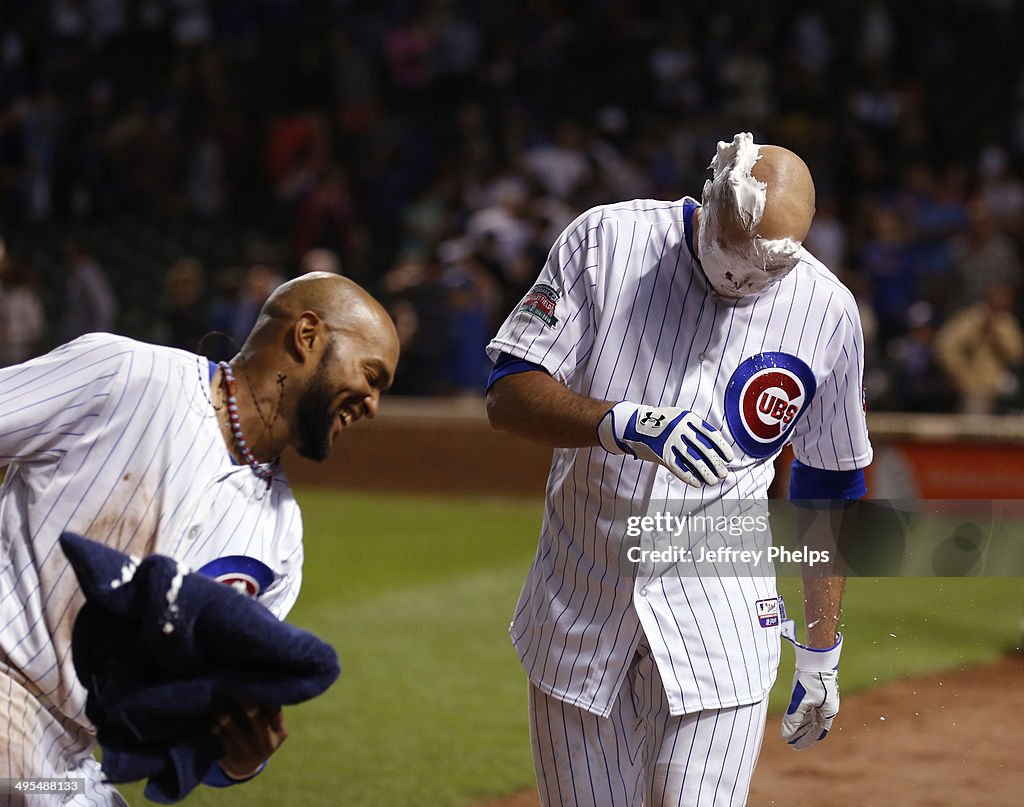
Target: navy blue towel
<point>161,651</point>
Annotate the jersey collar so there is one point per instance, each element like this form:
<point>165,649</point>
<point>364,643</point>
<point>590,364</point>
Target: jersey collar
<point>689,205</point>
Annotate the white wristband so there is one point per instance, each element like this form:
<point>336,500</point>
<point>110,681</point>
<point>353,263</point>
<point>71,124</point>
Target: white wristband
<point>812,659</point>
<point>609,430</point>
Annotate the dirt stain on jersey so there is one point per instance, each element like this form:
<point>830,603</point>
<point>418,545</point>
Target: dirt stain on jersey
<point>128,521</point>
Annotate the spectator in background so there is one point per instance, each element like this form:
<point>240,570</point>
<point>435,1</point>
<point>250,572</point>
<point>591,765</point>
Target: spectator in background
<point>827,237</point>
<point>41,124</point>
<point>259,281</point>
<point>89,302</point>
<point>981,348</point>
<point>185,314</point>
<point>407,54</point>
<point>354,82</point>
<point>221,313</point>
<point>747,77</point>
<point>420,306</point>
<point>919,382</point>
<point>429,217</point>
<point>204,178</point>
<point>468,365</point>
<point>503,219</point>
<point>296,153</point>
<point>673,64</point>
<point>887,263</point>
<point>560,166</point>
<point>984,256</point>
<point>877,34</point>
<point>21,311</point>
<point>485,255</point>
<point>320,260</point>
<point>935,214</point>
<point>325,217</point>
<point>1001,190</point>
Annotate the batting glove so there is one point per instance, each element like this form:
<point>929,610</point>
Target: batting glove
<point>692,449</point>
<point>815,701</point>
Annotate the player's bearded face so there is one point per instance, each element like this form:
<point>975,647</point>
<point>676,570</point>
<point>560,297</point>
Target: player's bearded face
<point>315,412</point>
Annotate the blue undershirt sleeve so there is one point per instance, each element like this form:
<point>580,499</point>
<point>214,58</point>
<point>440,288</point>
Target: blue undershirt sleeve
<point>814,483</point>
<point>510,365</point>
<point>215,777</point>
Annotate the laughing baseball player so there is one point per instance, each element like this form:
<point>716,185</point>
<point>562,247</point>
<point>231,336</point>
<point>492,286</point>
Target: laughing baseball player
<point>668,352</point>
<point>152,449</point>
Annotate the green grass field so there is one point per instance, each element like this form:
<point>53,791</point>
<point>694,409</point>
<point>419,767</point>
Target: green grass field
<point>416,595</point>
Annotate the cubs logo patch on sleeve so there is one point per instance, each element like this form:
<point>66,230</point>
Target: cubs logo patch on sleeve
<point>246,575</point>
<point>765,397</point>
<point>540,302</point>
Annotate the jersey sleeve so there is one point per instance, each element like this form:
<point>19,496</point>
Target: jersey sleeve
<point>833,434</point>
<point>553,325</point>
<point>280,597</point>
<point>49,403</point>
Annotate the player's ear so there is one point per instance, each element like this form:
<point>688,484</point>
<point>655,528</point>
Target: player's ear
<point>307,333</point>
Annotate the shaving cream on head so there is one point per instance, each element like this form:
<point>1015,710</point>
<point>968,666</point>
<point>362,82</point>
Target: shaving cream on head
<point>736,267</point>
<point>731,172</point>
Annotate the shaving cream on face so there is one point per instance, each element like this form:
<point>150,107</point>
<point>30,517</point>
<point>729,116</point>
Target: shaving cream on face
<point>748,267</point>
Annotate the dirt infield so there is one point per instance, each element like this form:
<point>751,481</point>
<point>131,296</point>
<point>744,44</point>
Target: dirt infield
<point>934,741</point>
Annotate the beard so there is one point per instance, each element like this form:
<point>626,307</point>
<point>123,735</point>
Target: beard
<point>315,414</point>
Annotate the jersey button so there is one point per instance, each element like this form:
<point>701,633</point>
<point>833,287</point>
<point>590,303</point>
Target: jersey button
<point>703,357</point>
<point>643,592</point>
<point>194,532</point>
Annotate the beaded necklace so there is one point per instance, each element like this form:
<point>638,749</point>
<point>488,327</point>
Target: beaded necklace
<point>236,427</point>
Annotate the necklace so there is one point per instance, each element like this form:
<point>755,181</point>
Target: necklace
<point>236,427</point>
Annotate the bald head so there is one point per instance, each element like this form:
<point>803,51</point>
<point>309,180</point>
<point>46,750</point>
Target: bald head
<point>340,303</point>
<point>757,209</point>
<point>789,205</point>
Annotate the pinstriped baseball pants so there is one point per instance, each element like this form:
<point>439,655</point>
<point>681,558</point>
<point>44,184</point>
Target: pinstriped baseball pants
<point>641,754</point>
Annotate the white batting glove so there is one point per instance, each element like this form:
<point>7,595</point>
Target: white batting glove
<point>815,701</point>
<point>692,449</point>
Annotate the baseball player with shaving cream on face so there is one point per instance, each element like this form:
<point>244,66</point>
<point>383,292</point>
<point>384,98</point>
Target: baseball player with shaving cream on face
<point>668,352</point>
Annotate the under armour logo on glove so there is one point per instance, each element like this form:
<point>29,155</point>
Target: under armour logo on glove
<point>650,424</point>
<point>692,449</point>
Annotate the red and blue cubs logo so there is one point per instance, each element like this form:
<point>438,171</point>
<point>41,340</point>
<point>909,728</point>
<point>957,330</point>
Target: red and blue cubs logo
<point>244,574</point>
<point>765,398</point>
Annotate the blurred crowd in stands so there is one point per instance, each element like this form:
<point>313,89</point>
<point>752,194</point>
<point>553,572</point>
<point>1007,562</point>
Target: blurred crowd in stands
<point>164,164</point>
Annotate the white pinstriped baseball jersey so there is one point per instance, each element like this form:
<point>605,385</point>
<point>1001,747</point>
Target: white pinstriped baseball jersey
<point>118,441</point>
<point>622,311</point>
